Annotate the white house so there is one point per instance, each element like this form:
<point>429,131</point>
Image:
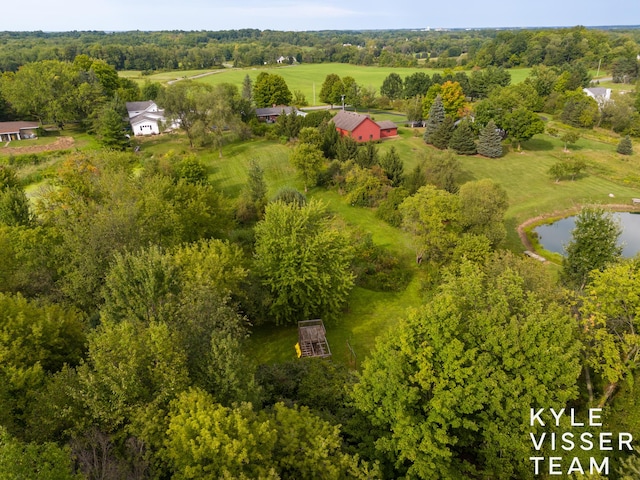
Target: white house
<point>145,118</point>
<point>599,94</point>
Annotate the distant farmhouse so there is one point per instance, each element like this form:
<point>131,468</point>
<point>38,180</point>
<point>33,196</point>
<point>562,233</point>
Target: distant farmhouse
<point>599,94</point>
<point>361,128</point>
<point>145,118</point>
<point>17,130</point>
<point>271,114</point>
<point>286,60</point>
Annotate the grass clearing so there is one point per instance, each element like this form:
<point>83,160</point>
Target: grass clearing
<point>370,313</point>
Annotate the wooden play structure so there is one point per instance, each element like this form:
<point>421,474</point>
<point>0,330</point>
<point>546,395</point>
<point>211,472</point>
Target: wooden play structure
<point>312,341</point>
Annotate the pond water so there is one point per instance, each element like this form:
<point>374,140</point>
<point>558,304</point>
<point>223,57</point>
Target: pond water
<point>555,236</point>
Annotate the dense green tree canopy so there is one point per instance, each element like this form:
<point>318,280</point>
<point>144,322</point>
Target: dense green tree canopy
<point>304,262</point>
<point>454,384</point>
<point>522,125</point>
<point>392,86</point>
<point>271,89</point>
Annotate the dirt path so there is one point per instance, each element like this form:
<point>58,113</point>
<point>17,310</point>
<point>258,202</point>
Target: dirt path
<point>200,75</point>
<point>61,143</point>
<point>616,207</point>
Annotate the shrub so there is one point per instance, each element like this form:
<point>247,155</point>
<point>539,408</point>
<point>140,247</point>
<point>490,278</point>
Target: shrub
<point>625,147</point>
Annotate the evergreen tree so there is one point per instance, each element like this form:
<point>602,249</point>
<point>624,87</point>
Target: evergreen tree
<point>367,156</point>
<point>625,147</point>
<point>330,140</point>
<point>442,136</point>
<point>463,139</point>
<point>247,88</point>
<point>434,120</point>
<point>110,128</point>
<point>346,149</point>
<point>393,167</point>
<point>489,141</point>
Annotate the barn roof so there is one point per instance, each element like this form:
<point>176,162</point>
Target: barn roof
<point>348,121</point>
<point>15,127</point>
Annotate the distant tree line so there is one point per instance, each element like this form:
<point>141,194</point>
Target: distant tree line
<point>615,50</point>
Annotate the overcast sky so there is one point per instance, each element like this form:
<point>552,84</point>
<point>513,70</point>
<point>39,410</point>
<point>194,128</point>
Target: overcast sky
<point>114,15</point>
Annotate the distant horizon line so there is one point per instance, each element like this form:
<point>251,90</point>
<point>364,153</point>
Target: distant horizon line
<point>410,29</point>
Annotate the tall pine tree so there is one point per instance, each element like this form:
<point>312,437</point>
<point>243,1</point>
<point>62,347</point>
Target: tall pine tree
<point>435,119</point>
<point>463,139</point>
<point>489,141</point>
<point>441,137</point>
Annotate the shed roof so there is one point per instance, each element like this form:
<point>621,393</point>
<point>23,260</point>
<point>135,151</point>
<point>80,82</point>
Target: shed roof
<point>348,121</point>
<point>387,124</point>
<point>15,127</point>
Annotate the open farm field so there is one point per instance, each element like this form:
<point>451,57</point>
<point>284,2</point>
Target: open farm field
<point>304,77</point>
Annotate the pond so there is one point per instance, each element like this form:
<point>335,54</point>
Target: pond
<point>555,236</point>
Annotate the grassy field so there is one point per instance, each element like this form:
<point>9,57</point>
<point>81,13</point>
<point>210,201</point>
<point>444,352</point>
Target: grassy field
<point>305,77</point>
<point>523,175</point>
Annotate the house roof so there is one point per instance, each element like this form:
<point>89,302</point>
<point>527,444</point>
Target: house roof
<point>139,106</point>
<point>348,121</point>
<point>598,91</point>
<point>386,124</point>
<point>15,127</point>
<point>271,111</point>
<point>148,116</point>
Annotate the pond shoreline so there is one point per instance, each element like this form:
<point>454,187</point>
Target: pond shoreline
<point>614,207</point>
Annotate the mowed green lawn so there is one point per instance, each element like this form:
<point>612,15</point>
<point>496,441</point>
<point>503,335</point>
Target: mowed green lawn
<point>370,314</point>
<point>307,78</point>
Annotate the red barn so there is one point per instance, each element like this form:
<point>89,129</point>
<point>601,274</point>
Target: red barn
<point>361,128</point>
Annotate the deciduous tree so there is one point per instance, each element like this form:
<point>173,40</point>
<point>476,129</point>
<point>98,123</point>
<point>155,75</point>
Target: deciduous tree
<point>610,317</point>
<point>433,217</point>
<point>303,262</point>
<point>522,124</point>
<point>307,159</point>
<point>332,90</point>
<point>483,204</point>
<point>392,87</point>
<point>453,386</point>
<point>593,246</point>
<point>271,89</point>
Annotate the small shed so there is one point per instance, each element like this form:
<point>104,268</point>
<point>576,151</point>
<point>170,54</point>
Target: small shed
<point>387,129</point>
<point>312,341</point>
<point>17,130</point>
